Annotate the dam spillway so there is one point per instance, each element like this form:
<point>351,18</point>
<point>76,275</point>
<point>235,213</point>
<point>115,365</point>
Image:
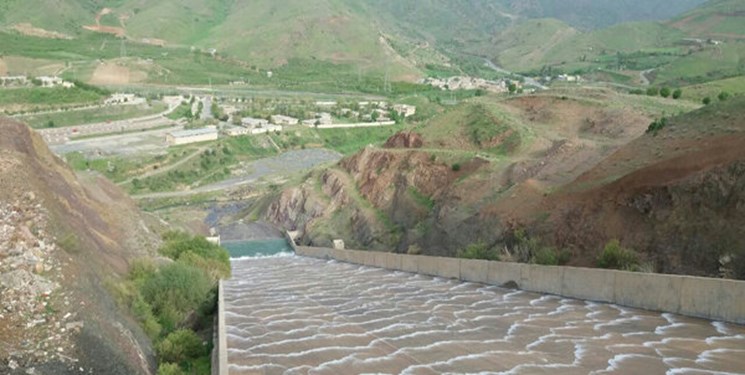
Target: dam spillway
<point>296,315</point>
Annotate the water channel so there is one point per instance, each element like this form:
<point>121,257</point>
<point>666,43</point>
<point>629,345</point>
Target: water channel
<point>292,315</point>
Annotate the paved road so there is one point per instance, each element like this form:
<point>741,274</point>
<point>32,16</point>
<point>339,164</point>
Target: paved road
<point>294,315</point>
<point>63,135</point>
<point>149,142</point>
<point>282,165</point>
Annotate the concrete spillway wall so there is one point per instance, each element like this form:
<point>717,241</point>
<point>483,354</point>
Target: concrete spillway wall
<point>715,299</point>
<point>220,350</point>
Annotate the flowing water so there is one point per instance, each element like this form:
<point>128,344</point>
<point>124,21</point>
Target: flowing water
<point>292,315</point>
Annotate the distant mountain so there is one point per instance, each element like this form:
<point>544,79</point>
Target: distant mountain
<point>406,39</point>
<point>723,19</point>
<point>593,14</point>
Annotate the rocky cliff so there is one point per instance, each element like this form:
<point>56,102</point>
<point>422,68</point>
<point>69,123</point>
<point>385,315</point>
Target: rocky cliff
<point>61,240</point>
<point>676,197</point>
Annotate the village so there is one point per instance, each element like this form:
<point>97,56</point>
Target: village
<point>232,117</point>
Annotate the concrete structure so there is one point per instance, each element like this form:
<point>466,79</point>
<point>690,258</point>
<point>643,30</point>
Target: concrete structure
<point>266,129</point>
<point>715,299</point>
<point>284,120</point>
<point>338,244</point>
<point>326,104</point>
<point>405,110</point>
<point>358,125</point>
<point>47,81</point>
<point>235,131</point>
<point>251,122</point>
<point>183,137</point>
<point>322,118</point>
<point>296,315</point>
<point>124,99</point>
<point>13,81</point>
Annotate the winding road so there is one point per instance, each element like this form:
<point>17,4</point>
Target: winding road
<point>281,165</point>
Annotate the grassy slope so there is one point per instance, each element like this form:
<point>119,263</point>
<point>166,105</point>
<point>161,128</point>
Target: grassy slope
<point>717,19</point>
<point>591,14</point>
<point>536,43</point>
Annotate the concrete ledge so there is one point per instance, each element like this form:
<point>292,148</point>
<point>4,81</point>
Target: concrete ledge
<point>544,279</point>
<point>502,273</point>
<point>475,271</point>
<point>448,268</point>
<point>713,298</point>
<point>393,261</point>
<point>380,260</point>
<point>589,284</point>
<point>694,296</point>
<point>648,291</point>
<point>410,263</point>
<point>222,337</point>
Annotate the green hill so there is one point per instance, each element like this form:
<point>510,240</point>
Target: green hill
<point>348,43</point>
<point>535,44</point>
<point>593,14</point>
<point>720,19</point>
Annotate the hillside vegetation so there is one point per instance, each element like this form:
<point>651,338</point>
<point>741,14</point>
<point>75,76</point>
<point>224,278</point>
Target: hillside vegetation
<point>341,41</point>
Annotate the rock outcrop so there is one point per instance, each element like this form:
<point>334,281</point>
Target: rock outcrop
<point>60,240</point>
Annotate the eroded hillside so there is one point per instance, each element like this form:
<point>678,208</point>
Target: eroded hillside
<point>61,240</point>
<point>568,170</point>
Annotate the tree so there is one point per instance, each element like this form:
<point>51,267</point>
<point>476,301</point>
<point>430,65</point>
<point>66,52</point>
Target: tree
<point>723,96</point>
<point>653,91</point>
<point>50,124</point>
<point>706,101</point>
<point>665,92</point>
<point>512,88</point>
<point>677,94</point>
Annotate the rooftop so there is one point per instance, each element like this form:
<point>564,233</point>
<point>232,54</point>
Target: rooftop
<point>193,132</point>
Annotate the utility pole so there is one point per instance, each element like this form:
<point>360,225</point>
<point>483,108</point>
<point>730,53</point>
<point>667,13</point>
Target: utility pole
<point>123,50</point>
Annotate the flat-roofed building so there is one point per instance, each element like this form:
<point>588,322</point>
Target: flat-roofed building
<point>183,137</point>
<point>284,120</point>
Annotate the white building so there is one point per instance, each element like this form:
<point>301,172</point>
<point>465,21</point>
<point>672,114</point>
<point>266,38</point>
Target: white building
<point>326,104</point>
<point>322,118</point>
<point>13,80</point>
<point>235,131</point>
<point>266,129</point>
<point>284,120</point>
<point>183,137</point>
<point>251,122</point>
<point>122,98</point>
<point>405,110</point>
<point>48,81</point>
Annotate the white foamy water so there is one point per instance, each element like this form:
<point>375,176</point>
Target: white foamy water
<point>294,315</point>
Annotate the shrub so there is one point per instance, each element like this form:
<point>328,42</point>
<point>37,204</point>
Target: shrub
<point>414,250</point>
<point>170,369</point>
<point>546,256</point>
<point>677,94</point>
<point>478,251</point>
<point>180,346</point>
<point>653,91</point>
<point>456,167</point>
<point>665,92</point>
<point>706,101</point>
<point>657,125</point>
<point>614,256</point>
<point>175,291</point>
<point>723,96</point>
<point>179,244</point>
